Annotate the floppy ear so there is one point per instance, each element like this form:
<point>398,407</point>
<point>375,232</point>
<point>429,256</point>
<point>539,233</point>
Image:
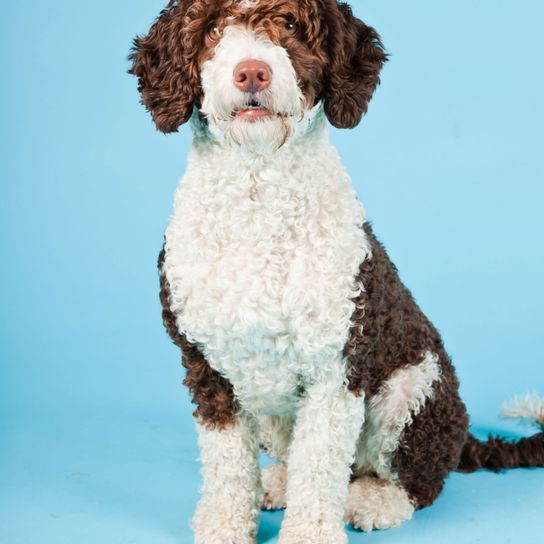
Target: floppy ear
<point>356,57</point>
<point>160,62</point>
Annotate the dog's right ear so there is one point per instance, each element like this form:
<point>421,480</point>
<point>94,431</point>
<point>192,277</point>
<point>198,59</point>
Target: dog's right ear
<point>160,62</point>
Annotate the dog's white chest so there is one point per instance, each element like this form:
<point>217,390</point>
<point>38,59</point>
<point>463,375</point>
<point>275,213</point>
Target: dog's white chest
<point>261,260</point>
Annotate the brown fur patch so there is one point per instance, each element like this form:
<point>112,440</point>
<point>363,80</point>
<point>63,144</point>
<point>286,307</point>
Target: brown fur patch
<point>389,330</point>
<point>212,394</point>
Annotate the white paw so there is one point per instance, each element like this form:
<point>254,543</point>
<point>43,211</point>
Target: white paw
<point>274,479</point>
<point>320,533</point>
<point>377,504</point>
<point>222,535</point>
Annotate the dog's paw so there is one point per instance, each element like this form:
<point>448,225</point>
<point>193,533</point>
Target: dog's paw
<point>339,537</point>
<point>222,535</point>
<point>320,533</point>
<point>377,504</point>
<point>218,524</point>
<point>274,479</point>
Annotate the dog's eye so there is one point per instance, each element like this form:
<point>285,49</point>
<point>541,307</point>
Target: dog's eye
<point>291,24</point>
<point>214,32</point>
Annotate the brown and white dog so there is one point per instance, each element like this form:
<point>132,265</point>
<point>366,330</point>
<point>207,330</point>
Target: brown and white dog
<point>297,334</point>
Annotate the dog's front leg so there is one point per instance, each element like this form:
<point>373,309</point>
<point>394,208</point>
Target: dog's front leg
<point>319,466</point>
<point>227,512</point>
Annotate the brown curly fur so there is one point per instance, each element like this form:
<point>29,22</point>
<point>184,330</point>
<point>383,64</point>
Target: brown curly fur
<point>497,454</point>
<point>164,62</point>
<point>356,57</point>
<point>430,448</point>
<point>212,394</point>
<point>337,57</point>
<point>389,330</point>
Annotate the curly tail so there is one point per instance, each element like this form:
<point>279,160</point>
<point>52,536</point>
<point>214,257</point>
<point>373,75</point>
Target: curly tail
<point>498,454</point>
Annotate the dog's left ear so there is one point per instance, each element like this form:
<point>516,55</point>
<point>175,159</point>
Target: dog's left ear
<point>356,57</point>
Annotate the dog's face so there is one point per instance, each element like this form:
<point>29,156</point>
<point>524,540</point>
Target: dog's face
<point>256,69</point>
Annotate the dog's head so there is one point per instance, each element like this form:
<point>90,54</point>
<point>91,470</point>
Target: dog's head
<point>256,69</point>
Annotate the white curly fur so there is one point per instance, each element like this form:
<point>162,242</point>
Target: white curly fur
<point>247,238</point>
<point>377,504</point>
<point>228,509</point>
<point>528,407</point>
<point>390,411</point>
<point>319,466</point>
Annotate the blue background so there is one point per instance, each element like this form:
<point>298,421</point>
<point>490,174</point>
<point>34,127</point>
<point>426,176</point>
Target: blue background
<point>96,437</point>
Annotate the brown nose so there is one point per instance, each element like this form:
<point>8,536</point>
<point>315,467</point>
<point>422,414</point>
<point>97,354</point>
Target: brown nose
<point>252,76</point>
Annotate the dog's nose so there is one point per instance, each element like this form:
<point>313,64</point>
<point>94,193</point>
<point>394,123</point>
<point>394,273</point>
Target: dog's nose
<point>252,76</point>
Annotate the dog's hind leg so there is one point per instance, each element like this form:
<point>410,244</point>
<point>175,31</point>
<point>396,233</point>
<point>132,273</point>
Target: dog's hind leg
<point>415,429</point>
<point>275,435</point>
<point>274,481</point>
<point>374,503</point>
<point>430,447</point>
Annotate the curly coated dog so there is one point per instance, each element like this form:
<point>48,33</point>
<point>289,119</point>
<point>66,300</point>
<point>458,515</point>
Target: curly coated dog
<point>298,336</point>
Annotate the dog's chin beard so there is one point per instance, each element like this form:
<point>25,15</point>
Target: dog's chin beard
<point>262,135</point>
<point>256,126</point>
<point>253,123</point>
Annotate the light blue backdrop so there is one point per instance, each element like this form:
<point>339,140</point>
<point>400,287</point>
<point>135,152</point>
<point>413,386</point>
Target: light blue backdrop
<point>96,438</point>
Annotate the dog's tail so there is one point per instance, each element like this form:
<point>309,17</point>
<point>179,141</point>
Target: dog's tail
<point>498,454</point>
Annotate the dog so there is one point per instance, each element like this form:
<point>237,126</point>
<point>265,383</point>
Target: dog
<point>297,334</point>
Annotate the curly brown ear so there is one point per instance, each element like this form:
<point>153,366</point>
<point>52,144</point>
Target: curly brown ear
<point>356,57</point>
<point>160,62</point>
